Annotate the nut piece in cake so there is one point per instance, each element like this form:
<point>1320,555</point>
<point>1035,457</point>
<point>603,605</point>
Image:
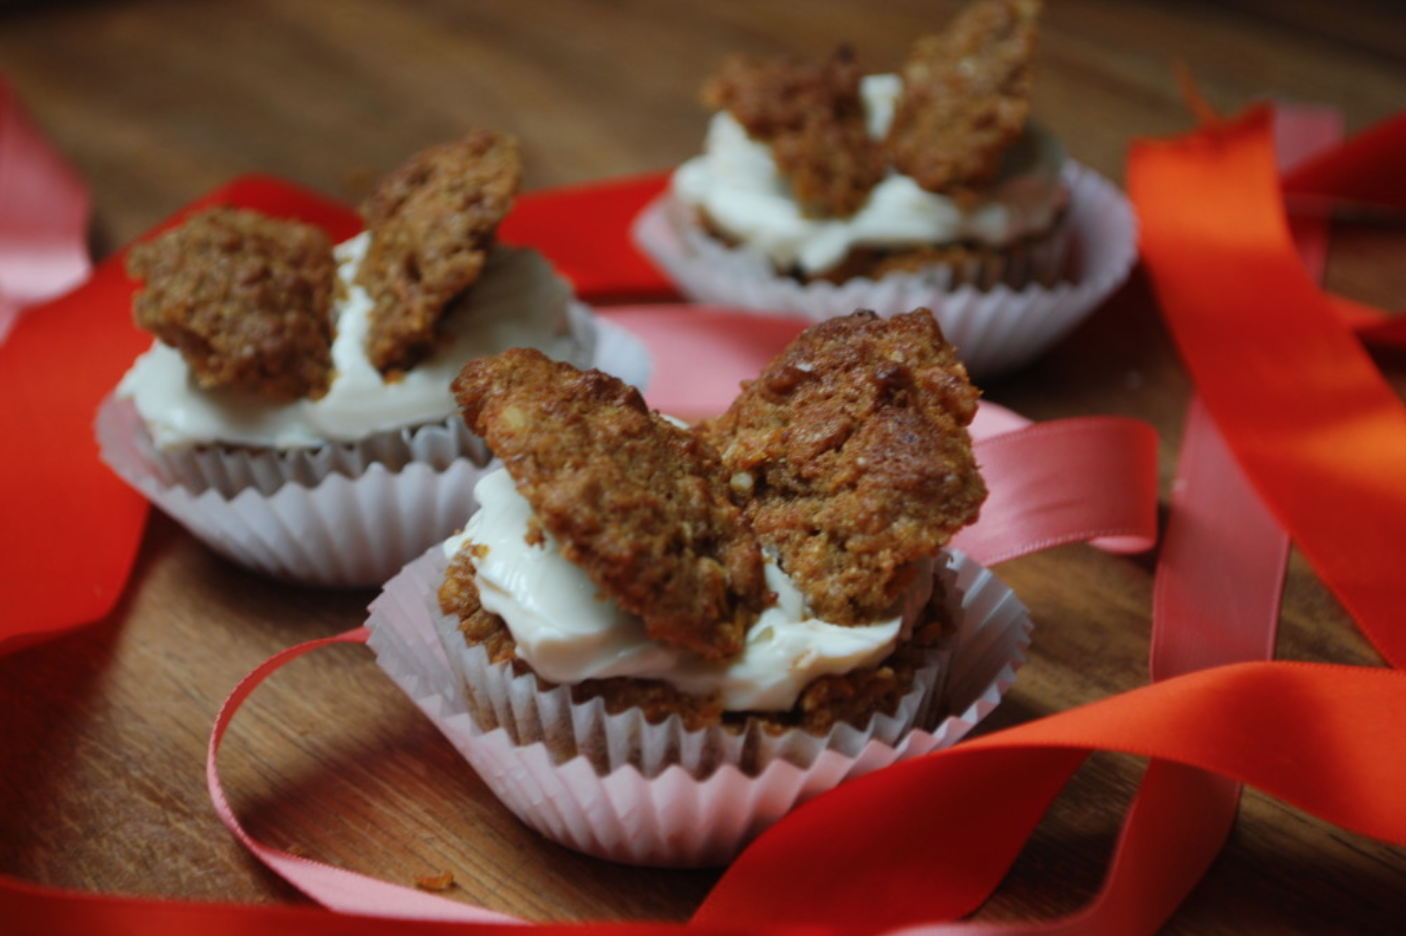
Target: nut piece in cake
<point>433,221</point>
<point>851,457</point>
<point>245,298</point>
<point>640,504</point>
<point>812,117</point>
<point>966,96</point>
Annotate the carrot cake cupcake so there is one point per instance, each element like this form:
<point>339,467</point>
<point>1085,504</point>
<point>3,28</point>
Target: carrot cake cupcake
<point>762,594</point>
<point>821,189</point>
<point>295,408</point>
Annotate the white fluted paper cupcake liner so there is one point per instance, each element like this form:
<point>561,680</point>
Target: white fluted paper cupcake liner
<point>230,470</point>
<point>641,811</point>
<point>337,516</point>
<point>342,531</point>
<point>529,714</point>
<point>995,330</point>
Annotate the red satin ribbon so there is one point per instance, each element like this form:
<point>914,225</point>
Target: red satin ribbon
<point>1045,489</point>
<point>1310,419</point>
<point>43,252</point>
<point>1366,171</point>
<point>585,230</point>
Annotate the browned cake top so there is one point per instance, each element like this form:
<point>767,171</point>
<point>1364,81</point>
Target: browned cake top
<point>811,115</point>
<point>433,222</point>
<point>245,298</point>
<point>966,96</point>
<point>638,503</point>
<point>849,456</point>
<point>851,452</point>
<point>965,99</point>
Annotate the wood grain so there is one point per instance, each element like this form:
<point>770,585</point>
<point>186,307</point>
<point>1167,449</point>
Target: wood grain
<point>158,101</point>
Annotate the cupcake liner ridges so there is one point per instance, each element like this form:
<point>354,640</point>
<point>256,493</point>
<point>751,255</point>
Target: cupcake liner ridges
<point>616,788</point>
<point>344,515</point>
<point>996,330</point>
<point>341,530</point>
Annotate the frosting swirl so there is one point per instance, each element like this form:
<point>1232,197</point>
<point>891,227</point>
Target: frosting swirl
<point>518,301</point>
<point>568,632</point>
<point>736,182</point>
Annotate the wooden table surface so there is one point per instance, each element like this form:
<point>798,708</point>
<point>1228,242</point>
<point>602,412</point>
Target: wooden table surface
<point>158,101</point>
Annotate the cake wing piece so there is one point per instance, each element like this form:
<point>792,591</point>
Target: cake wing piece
<point>852,452</point>
<point>246,298</point>
<point>966,96</point>
<point>812,116</point>
<point>433,222</point>
<point>639,503</point>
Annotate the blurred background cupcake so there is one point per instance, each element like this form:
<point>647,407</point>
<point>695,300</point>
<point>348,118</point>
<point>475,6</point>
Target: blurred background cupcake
<point>294,410</point>
<point>821,189</point>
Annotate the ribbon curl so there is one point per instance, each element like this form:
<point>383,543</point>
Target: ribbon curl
<point>1319,432</point>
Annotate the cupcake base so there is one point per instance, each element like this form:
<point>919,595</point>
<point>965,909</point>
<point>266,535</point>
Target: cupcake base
<point>624,805</point>
<point>338,515</point>
<point>996,329</point>
<point>340,531</point>
<point>1036,260</point>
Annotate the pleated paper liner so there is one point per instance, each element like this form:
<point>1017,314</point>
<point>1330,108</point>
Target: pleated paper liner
<point>341,515</point>
<point>618,788</point>
<point>996,330</point>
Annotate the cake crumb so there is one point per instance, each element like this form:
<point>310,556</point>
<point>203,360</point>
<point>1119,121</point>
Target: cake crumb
<point>435,882</point>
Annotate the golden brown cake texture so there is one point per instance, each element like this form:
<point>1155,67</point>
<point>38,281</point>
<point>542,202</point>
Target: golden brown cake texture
<point>433,223</point>
<point>849,454</point>
<point>852,697</point>
<point>852,454</point>
<point>639,503</point>
<point>965,100</point>
<point>244,297</point>
<point>812,117</point>
<point>247,298</point>
<point>966,97</point>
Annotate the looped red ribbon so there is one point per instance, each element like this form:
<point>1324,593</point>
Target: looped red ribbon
<point>1316,427</point>
<point>43,253</point>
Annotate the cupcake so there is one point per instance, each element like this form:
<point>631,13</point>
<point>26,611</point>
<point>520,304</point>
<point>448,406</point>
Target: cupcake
<point>295,408</point>
<point>652,640</point>
<point>821,189</point>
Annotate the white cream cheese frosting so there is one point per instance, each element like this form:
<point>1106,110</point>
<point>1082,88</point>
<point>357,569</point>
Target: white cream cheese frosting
<point>736,182</point>
<point>518,301</point>
<point>568,632</point>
